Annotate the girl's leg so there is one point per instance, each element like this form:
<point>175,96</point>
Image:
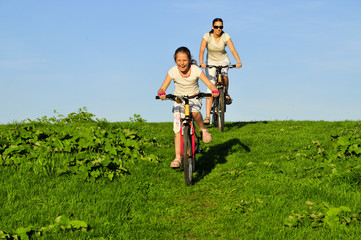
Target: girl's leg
<point>211,74</point>
<point>176,163</point>
<point>206,136</point>
<point>209,102</point>
<point>225,82</point>
<point>199,120</point>
<point>177,145</point>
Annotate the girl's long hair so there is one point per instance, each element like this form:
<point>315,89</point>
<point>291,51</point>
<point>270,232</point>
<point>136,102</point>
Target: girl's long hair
<point>186,51</point>
<point>214,21</point>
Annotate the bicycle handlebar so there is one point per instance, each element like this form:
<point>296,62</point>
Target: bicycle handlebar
<point>174,97</point>
<point>226,66</point>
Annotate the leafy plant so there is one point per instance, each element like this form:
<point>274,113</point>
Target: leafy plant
<point>62,223</point>
<point>323,214</point>
<point>137,119</point>
<point>314,151</point>
<point>87,150</point>
<point>347,145</point>
<point>82,116</point>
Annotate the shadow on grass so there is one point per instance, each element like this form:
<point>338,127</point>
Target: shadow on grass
<point>207,161</point>
<point>231,125</point>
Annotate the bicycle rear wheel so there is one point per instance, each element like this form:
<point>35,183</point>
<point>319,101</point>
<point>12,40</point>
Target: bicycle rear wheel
<point>221,110</point>
<point>187,156</point>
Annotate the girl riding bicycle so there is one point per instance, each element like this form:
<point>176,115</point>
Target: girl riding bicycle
<point>216,41</point>
<point>185,76</point>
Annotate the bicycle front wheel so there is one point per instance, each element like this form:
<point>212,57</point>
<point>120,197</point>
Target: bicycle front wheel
<point>215,112</point>
<point>221,110</point>
<point>187,156</point>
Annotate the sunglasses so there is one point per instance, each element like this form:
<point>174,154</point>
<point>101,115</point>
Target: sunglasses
<point>216,27</point>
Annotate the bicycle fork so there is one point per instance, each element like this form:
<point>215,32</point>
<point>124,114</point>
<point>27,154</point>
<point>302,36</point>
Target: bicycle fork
<point>192,133</point>
<point>188,120</point>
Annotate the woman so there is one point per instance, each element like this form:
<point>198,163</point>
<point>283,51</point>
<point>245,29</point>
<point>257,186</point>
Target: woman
<point>216,41</point>
<point>185,75</point>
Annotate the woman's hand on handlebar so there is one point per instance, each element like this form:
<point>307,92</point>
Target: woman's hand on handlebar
<point>238,65</point>
<point>203,65</point>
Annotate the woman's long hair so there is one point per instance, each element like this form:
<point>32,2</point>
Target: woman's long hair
<point>214,21</point>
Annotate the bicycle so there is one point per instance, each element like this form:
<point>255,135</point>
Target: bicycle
<point>190,141</point>
<point>219,107</point>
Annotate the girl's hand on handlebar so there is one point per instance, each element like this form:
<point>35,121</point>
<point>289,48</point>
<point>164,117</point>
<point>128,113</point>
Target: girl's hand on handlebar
<point>203,65</point>
<point>162,95</point>
<point>238,65</point>
<point>215,93</point>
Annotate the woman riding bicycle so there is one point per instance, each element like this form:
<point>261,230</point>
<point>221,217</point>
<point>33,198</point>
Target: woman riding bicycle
<point>185,76</point>
<point>216,41</point>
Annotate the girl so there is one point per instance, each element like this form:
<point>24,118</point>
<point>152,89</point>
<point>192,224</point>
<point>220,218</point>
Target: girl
<point>185,76</point>
<point>216,41</point>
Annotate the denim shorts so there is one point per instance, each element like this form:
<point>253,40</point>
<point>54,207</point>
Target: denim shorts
<point>195,105</point>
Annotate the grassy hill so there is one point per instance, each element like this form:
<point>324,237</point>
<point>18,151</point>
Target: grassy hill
<point>255,180</point>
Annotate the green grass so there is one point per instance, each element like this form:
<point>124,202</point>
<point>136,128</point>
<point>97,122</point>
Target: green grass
<point>250,179</point>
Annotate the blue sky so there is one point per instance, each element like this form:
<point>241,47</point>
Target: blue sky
<point>302,59</point>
